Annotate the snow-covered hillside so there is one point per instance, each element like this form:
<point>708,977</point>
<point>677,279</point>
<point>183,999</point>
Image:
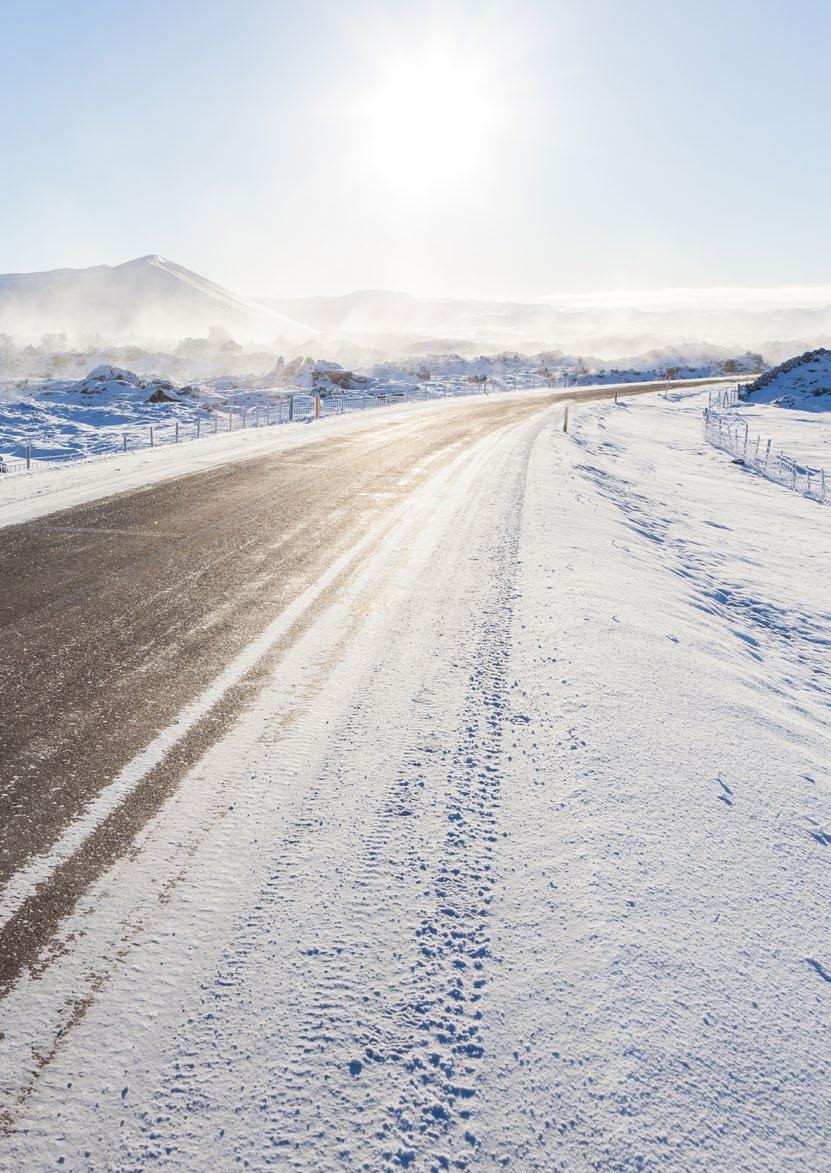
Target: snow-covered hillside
<point>149,297</point>
<point>801,382</point>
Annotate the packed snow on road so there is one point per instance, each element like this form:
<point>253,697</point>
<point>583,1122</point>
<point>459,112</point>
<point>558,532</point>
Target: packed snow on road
<point>519,858</point>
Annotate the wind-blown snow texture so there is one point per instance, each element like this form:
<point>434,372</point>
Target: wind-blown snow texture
<point>532,872</point>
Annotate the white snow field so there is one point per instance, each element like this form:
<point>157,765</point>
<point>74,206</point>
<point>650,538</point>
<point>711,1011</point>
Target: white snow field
<point>519,859</point>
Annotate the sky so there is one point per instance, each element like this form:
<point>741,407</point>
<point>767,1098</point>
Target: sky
<point>484,149</point>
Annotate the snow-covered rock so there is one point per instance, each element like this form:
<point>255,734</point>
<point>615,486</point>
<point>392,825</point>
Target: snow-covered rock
<point>115,383</point>
<point>802,382</point>
<point>104,374</point>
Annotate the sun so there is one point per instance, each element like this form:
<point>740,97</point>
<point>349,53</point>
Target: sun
<point>429,121</point>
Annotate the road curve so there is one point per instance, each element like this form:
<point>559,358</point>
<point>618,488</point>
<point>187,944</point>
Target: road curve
<point>116,614</point>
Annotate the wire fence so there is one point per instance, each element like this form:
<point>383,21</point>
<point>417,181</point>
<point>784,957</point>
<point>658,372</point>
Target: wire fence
<point>725,430</point>
<point>724,397</point>
<point>282,409</point>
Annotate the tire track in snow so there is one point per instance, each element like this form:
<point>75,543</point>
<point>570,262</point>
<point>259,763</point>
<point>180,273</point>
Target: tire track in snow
<point>364,960</point>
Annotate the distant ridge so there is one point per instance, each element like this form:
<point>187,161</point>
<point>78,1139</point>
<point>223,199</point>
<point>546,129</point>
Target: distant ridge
<point>146,298</point>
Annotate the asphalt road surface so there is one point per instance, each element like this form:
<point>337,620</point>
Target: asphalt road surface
<point>116,614</point>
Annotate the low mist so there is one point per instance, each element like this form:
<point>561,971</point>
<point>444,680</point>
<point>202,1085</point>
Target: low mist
<point>153,315</point>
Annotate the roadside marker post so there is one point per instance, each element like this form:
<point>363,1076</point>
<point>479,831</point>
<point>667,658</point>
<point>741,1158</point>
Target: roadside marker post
<point>28,456</point>
<point>565,419</point>
<point>317,406</point>
<point>124,441</point>
<point>176,432</point>
<point>291,408</point>
<point>151,437</point>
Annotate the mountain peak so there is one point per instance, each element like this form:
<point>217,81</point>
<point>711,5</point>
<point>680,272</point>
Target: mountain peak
<point>150,259</point>
<point>148,297</point>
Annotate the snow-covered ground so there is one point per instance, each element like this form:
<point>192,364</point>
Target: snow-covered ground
<point>791,405</point>
<point>109,406</point>
<point>804,435</point>
<point>525,864</point>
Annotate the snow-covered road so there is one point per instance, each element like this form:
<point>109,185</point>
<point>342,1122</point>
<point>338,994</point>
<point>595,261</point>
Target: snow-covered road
<point>518,858</point>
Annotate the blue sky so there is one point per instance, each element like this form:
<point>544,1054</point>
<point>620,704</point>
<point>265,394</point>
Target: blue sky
<point>485,149</point>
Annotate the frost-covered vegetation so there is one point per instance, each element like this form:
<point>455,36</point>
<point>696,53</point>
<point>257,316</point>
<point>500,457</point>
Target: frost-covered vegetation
<point>66,402</point>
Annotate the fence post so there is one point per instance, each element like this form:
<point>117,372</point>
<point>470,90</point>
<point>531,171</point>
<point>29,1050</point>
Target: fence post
<point>257,416</point>
<point>198,428</point>
<point>176,432</point>
<point>244,417</point>
<point>565,419</point>
<point>124,441</point>
<point>216,422</point>
<point>28,456</point>
<point>151,435</point>
<point>230,419</point>
<point>317,405</point>
<point>291,408</point>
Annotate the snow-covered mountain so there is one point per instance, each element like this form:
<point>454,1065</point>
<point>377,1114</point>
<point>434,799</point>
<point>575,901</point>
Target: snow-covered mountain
<point>149,297</point>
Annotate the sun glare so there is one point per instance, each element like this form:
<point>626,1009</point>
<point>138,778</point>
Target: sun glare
<point>429,122</point>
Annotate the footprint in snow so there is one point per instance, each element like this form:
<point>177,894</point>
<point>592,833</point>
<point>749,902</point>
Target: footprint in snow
<point>727,796</point>
<point>823,973</point>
